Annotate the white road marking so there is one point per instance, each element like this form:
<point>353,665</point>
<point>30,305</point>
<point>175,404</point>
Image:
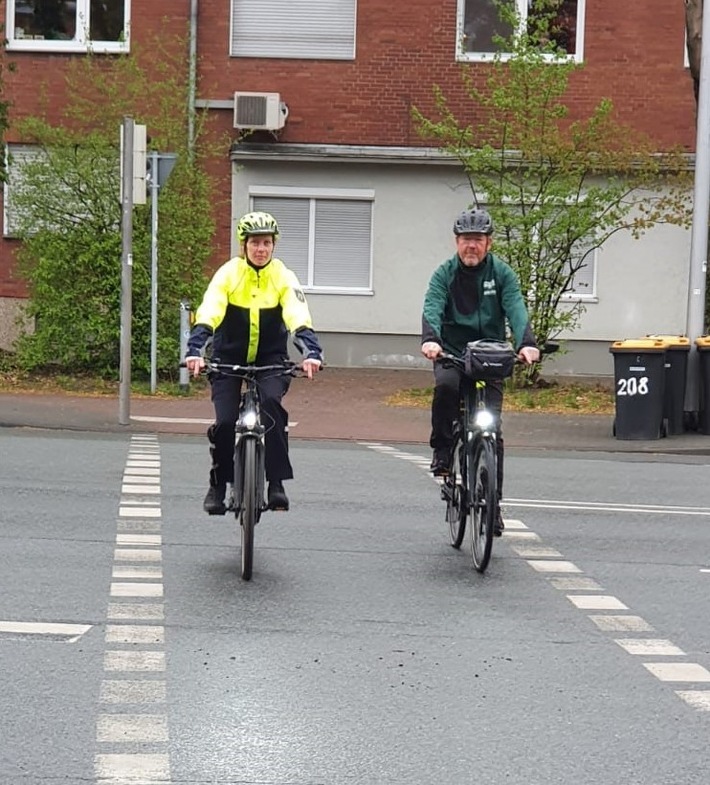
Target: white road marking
<point>134,661</point>
<point>131,464</point>
<point>143,471</point>
<point>138,768</point>
<point>575,584</point>
<point>650,647</point>
<point>597,602</point>
<point>519,535</point>
<point>132,691</point>
<point>139,512</point>
<point>131,728</point>
<point>698,699</point>
<point>614,623</point>
<point>140,490</point>
<point>136,589</point>
<point>536,552</point>
<point>513,523</point>
<point>71,631</point>
<point>135,633</point>
<point>608,507</point>
<point>137,554</point>
<point>678,671</point>
<point>144,611</point>
<point>553,566</point>
<point>134,525</point>
<point>139,539</point>
<point>139,479</point>
<point>132,572</point>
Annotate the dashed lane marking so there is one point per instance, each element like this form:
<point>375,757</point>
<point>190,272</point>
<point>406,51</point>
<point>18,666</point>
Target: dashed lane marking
<point>597,602</point>
<point>678,671</point>
<point>650,647</point>
<point>69,632</point>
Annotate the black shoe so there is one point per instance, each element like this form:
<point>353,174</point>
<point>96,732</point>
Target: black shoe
<point>498,525</point>
<point>214,501</point>
<point>440,463</point>
<point>277,496</point>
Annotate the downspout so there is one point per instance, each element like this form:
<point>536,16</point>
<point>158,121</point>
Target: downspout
<point>192,82</point>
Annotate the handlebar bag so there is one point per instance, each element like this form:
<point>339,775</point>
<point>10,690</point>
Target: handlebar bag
<point>487,360</point>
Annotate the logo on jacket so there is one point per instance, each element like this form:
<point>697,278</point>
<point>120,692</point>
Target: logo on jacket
<point>489,287</point>
<point>300,295</point>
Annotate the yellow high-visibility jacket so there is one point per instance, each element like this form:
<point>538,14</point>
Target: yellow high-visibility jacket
<point>251,311</point>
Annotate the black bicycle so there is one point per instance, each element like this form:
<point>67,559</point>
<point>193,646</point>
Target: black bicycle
<point>247,499</point>
<point>471,485</point>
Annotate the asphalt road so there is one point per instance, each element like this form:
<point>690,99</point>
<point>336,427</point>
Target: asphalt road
<point>365,649</point>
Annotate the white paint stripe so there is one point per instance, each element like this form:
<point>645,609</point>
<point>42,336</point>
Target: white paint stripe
<point>553,566</point>
<point>136,589</point>
<point>678,671</point>
<point>630,623</point>
<point>131,572</point>
<point>144,611</point>
<point>536,552</point>
<point>698,699</point>
<point>134,768</point>
<point>597,602</point>
<point>141,471</point>
<point>133,525</point>
<point>44,628</point>
<point>134,661</point>
<point>137,554</point>
<point>143,502</point>
<point>520,535</point>
<point>180,420</point>
<point>140,490</point>
<point>143,464</point>
<point>611,508</point>
<point>144,455</point>
<point>135,633</point>
<point>650,647</point>
<point>704,570</point>
<point>139,512</point>
<point>131,728</point>
<point>139,479</point>
<point>512,523</point>
<point>604,505</point>
<point>575,584</point>
<point>131,691</point>
<point>138,539</point>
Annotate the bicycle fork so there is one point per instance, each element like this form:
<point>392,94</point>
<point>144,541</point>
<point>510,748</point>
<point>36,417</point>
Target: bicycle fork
<point>238,488</point>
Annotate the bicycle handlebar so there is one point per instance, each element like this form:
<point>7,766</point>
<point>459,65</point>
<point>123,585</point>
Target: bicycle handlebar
<point>287,369</point>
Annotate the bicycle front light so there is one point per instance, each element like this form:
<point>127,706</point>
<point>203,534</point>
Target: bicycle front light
<point>484,420</point>
<point>249,420</point>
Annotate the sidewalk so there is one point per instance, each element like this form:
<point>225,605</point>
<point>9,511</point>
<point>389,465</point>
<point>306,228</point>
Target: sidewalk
<point>340,403</point>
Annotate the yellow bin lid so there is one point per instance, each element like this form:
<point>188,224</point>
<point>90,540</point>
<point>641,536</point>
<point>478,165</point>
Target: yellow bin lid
<point>673,341</point>
<point>639,345</point>
<point>703,342</point>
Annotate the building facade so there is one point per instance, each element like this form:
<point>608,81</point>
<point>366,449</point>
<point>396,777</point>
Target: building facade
<point>365,204</point>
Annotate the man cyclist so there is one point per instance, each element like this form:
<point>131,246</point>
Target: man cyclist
<point>470,297</point>
<point>251,305</point>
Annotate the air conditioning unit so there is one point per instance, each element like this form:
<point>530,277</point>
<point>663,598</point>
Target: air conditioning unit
<point>259,111</point>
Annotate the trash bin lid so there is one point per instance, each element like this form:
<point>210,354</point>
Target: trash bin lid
<point>703,343</point>
<point>638,345</point>
<point>673,341</point>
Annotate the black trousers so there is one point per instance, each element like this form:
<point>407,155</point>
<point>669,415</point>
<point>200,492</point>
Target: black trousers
<point>445,409</point>
<point>225,399</point>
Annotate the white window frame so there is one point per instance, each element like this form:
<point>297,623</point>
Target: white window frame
<point>487,57</point>
<point>591,295</point>
<point>80,44</point>
<point>314,195</point>
<point>260,42</point>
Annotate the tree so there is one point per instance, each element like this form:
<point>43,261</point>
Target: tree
<point>556,189</point>
<point>4,104</point>
<point>66,206</point>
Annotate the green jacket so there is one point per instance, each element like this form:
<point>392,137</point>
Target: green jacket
<point>465,304</point>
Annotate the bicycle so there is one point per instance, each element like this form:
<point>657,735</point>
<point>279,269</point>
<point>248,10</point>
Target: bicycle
<point>471,485</point>
<point>247,500</point>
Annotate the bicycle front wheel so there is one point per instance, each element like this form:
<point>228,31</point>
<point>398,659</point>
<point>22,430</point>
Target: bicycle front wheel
<point>484,501</point>
<point>456,502</point>
<point>248,513</point>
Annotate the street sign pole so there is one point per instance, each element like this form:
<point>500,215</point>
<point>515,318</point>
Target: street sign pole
<point>154,187</point>
<point>124,393</point>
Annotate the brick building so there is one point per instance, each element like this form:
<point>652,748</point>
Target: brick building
<point>364,204</point>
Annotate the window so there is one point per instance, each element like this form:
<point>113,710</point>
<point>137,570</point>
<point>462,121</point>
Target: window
<point>68,25</point>
<point>17,156</point>
<point>479,23</point>
<point>325,235</point>
<point>310,29</point>
<point>582,285</point>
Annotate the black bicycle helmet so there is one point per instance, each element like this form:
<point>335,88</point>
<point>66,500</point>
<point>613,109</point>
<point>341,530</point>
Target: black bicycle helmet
<point>474,221</point>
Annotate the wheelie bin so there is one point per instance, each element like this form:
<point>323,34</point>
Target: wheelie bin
<point>703,346</point>
<point>639,376</point>
<point>676,372</point>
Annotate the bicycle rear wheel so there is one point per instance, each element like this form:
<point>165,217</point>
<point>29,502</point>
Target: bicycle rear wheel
<point>249,512</point>
<point>484,501</point>
<point>456,502</point>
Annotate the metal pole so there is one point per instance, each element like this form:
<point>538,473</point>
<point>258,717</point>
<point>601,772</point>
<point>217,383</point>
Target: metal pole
<point>154,187</point>
<point>184,335</point>
<point>699,232</point>
<point>124,391</point>
<point>192,81</point>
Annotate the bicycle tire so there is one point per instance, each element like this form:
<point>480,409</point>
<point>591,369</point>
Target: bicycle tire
<point>484,501</point>
<point>248,512</point>
<point>456,501</point>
